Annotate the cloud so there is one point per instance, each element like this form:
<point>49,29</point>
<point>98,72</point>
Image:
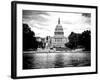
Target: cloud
<point>86,18</point>
<point>35,12</point>
<point>86,15</point>
<point>34,24</point>
<point>29,15</point>
<point>44,23</point>
<point>67,22</point>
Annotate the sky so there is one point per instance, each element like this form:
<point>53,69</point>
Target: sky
<point>43,23</point>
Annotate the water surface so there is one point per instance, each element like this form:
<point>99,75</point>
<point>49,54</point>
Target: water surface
<point>55,60</point>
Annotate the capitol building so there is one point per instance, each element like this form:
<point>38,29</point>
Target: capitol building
<point>58,40</point>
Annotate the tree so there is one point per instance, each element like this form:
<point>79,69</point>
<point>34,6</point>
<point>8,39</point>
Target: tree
<point>80,40</point>
<point>73,40</point>
<point>29,39</point>
<point>86,40</point>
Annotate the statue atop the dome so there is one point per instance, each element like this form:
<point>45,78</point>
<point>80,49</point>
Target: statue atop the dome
<point>59,21</point>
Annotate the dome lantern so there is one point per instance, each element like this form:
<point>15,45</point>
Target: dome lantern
<point>59,29</point>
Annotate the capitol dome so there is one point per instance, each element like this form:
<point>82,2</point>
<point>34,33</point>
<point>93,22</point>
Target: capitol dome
<point>59,29</point>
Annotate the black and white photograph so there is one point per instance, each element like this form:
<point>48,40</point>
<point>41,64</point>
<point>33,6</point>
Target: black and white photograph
<point>56,39</point>
<point>53,39</point>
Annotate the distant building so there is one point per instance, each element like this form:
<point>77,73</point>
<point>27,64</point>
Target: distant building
<point>58,40</point>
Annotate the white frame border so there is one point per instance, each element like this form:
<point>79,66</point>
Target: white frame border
<point>36,72</point>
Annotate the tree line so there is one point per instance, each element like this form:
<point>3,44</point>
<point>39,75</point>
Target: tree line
<point>76,40</point>
<point>82,40</point>
<point>29,39</point>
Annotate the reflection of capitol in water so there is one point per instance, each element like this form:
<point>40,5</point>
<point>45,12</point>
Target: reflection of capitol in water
<point>58,40</point>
